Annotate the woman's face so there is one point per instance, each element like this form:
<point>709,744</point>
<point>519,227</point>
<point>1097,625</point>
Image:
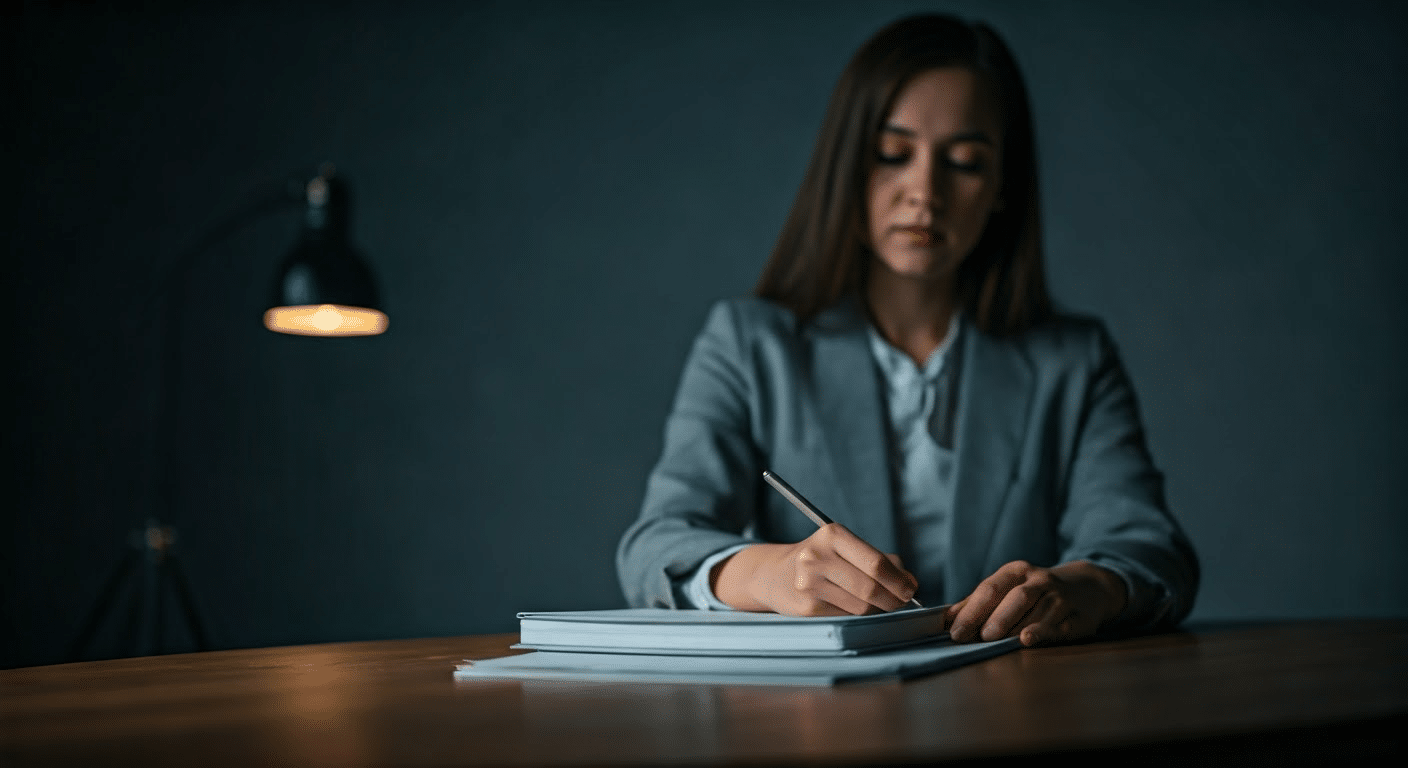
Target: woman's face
<point>937,174</point>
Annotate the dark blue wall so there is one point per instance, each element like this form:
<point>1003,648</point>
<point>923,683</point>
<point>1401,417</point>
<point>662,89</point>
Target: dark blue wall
<point>551,195</point>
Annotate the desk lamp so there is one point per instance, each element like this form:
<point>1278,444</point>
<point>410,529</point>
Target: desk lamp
<point>323,288</point>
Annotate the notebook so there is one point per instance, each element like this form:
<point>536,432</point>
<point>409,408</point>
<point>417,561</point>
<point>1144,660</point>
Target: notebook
<point>923,659</point>
<point>733,633</point>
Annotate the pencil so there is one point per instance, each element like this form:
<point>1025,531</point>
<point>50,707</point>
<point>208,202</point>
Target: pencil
<point>800,502</point>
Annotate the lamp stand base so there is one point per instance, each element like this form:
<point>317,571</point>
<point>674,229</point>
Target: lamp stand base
<point>155,568</point>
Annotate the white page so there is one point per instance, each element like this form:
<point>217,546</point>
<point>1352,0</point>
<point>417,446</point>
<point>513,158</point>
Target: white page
<point>615,667</point>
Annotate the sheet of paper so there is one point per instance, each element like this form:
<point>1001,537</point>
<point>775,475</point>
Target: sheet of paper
<point>744,670</point>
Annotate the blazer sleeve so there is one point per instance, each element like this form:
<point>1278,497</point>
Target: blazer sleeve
<point>701,495</point>
<point>1115,513</point>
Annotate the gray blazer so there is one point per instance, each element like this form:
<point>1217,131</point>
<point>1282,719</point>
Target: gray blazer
<point>1051,460</point>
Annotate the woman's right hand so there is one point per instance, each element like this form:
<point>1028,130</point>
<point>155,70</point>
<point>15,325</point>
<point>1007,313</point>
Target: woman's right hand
<point>830,573</point>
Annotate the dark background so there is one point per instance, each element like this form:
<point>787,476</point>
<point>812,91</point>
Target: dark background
<point>552,194</point>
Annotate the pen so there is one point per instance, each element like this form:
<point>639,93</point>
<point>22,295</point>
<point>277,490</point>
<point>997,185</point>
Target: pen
<point>800,502</point>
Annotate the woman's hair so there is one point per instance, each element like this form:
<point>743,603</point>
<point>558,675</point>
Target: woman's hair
<point>823,254</point>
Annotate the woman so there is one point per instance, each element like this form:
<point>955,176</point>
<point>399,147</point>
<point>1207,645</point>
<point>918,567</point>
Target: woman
<point>901,365</point>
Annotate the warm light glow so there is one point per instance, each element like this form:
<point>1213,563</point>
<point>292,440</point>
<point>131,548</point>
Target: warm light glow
<point>326,320</point>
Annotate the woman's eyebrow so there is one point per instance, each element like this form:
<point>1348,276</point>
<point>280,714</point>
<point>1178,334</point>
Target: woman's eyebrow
<point>978,136</point>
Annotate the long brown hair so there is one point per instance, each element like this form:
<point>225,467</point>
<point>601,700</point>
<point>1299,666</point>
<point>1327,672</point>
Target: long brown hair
<point>822,253</point>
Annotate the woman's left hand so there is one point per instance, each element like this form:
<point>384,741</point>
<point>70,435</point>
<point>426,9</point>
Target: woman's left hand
<point>1042,606</point>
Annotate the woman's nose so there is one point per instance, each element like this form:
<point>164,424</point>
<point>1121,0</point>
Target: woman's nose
<point>922,189</point>
<point>924,196</point>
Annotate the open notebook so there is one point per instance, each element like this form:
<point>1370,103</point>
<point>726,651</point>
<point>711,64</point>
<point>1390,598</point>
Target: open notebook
<point>688,632</point>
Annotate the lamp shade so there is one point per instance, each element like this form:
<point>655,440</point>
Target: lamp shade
<point>324,288</point>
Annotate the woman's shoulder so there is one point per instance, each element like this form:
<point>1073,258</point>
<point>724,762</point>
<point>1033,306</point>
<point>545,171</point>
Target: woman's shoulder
<point>1068,336</point>
<point>750,317</point>
<point>1064,326</point>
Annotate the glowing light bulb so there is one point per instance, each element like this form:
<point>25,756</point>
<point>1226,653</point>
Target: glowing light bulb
<point>327,318</point>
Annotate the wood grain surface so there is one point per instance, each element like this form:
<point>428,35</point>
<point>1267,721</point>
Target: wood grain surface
<point>1295,692</point>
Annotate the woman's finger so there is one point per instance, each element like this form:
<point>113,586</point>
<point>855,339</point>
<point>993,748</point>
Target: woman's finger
<point>816,565</point>
<point>850,578</point>
<point>1040,624</point>
<point>985,599</point>
<point>1006,618</point>
<point>870,561</point>
<point>825,598</point>
<point>952,611</point>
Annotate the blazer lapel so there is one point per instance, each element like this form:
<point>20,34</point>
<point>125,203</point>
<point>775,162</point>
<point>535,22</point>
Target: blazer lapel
<point>994,401</point>
<point>848,402</point>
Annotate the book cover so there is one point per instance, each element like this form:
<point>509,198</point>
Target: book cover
<point>658,630</point>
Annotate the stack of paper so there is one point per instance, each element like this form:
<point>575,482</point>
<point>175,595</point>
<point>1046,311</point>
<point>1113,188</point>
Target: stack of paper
<point>658,645</point>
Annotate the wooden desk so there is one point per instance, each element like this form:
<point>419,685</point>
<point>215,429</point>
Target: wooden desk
<point>1299,693</point>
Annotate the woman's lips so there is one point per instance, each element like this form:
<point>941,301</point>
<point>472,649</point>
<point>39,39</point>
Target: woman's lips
<point>919,235</point>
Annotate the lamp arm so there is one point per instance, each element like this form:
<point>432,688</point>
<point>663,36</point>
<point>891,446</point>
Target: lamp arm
<point>288,196</point>
<point>176,276</point>
<point>291,194</point>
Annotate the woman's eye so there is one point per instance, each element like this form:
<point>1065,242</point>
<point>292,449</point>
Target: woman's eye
<point>894,159</point>
<point>970,166</point>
